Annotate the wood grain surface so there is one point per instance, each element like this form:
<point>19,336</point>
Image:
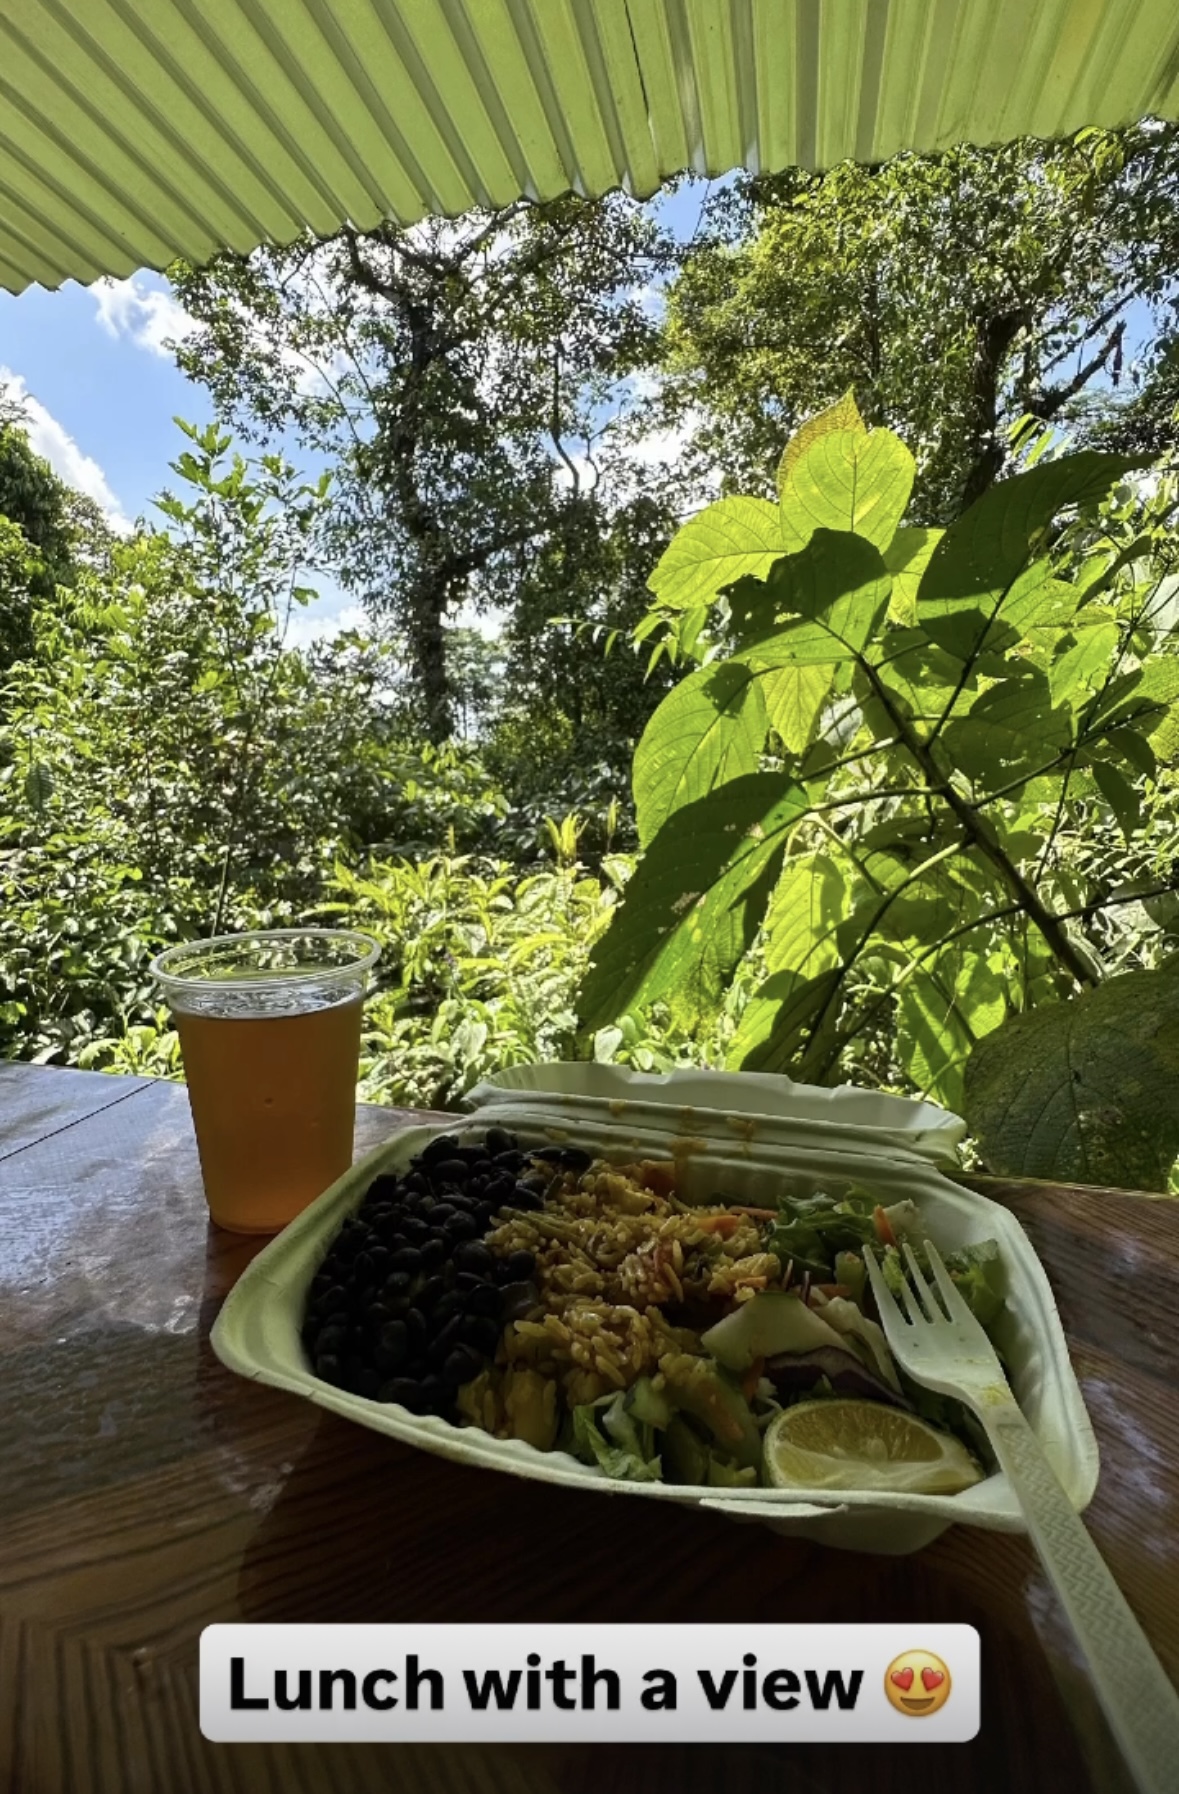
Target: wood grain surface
<point>145,1493</point>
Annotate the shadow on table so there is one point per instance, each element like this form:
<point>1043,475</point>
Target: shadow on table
<point>365,1529</point>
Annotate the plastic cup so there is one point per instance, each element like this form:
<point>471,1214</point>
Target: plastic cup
<point>269,1027</point>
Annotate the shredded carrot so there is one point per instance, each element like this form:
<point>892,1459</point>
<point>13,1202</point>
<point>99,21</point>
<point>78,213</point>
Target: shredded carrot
<point>884,1232</point>
<point>722,1224</point>
<point>832,1289</point>
<point>755,1214</point>
<point>752,1377</point>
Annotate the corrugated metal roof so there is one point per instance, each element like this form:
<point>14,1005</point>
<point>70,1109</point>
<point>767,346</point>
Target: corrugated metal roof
<point>133,131</point>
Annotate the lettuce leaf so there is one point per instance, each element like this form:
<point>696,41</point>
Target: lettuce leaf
<point>976,1270</point>
<point>621,1462</point>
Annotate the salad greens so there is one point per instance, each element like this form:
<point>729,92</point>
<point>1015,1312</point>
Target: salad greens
<point>700,1420</point>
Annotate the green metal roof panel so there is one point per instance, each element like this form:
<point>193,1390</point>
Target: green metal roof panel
<point>133,131</point>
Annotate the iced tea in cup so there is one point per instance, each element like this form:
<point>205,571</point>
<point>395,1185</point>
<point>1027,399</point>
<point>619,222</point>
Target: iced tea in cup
<point>269,1028</point>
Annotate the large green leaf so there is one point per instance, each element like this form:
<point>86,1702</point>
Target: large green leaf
<point>936,901</point>
<point>906,557</point>
<point>778,1018</point>
<point>942,1009</point>
<point>848,480</point>
<point>837,582</point>
<point>1082,659</point>
<point>1085,1091</point>
<point>1142,697</point>
<point>695,902</point>
<point>1011,729</point>
<point>975,569</point>
<point>795,669</point>
<point>808,905</point>
<point>843,415</point>
<point>723,543</point>
<point>922,678</point>
<point>794,699</point>
<point>802,927</point>
<point>710,728</point>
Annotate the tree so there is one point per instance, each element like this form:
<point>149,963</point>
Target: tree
<point>36,539</point>
<point>972,300</point>
<point>863,784</point>
<point>458,375</point>
<point>168,765</point>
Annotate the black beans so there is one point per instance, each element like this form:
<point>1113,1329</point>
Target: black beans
<point>479,1332</point>
<point>409,1304</point>
<point>429,1293</point>
<point>461,1365</point>
<point>441,1148</point>
<point>433,1254</point>
<point>518,1300</point>
<point>392,1348</point>
<point>406,1390</point>
<point>450,1172</point>
<point>483,1299</point>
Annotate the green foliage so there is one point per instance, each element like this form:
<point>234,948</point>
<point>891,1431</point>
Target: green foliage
<point>166,764</point>
<point>457,374</point>
<point>479,966</point>
<point>973,299</point>
<point>1087,1092</point>
<point>876,798</point>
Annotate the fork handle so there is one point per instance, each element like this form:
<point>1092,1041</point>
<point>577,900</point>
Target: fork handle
<point>1139,1702</point>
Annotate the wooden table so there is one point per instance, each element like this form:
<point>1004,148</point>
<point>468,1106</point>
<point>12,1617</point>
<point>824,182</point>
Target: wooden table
<point>145,1492</point>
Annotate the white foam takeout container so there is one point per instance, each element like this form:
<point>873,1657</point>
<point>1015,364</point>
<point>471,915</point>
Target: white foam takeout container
<point>753,1137</point>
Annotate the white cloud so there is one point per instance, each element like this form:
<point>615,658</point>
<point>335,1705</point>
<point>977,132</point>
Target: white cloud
<point>490,622</point>
<point>309,626</point>
<point>146,316</point>
<point>53,441</point>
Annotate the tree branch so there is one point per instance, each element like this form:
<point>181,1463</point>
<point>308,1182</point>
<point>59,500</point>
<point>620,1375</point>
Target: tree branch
<point>980,832</point>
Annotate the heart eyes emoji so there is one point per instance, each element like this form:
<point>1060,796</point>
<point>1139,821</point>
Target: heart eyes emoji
<point>917,1683</point>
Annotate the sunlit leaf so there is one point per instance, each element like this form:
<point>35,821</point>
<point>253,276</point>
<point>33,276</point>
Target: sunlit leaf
<point>954,1000</point>
<point>695,902</point>
<point>848,480</point>
<point>975,569</point>
<point>723,543</point>
<point>906,558</point>
<point>843,415</point>
<point>708,729</point>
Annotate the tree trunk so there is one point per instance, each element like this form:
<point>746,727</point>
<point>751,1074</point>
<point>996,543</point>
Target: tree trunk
<point>427,650</point>
<point>993,339</point>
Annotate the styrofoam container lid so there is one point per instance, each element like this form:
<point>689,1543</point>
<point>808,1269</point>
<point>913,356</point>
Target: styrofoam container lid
<point>747,1103</point>
<point>258,1330</point>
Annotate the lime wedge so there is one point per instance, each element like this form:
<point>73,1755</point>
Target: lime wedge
<point>864,1445</point>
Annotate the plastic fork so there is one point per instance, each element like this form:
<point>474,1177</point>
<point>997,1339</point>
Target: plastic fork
<point>945,1348</point>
